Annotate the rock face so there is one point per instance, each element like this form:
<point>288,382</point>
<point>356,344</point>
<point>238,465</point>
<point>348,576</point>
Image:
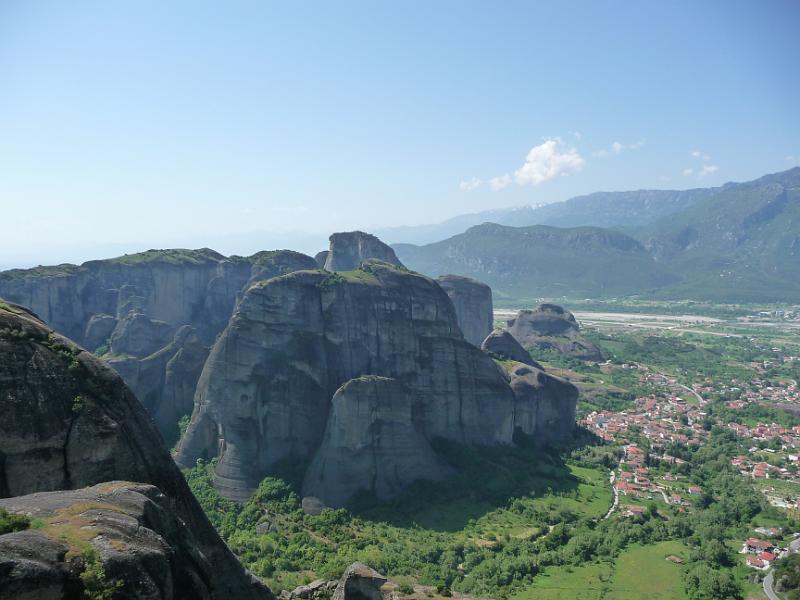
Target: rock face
<point>544,407</point>
<point>133,309</point>
<point>321,257</point>
<point>552,327</point>
<point>349,249</point>
<point>371,438</point>
<point>359,582</point>
<point>266,389</point>
<point>144,549</point>
<point>473,303</point>
<point>70,422</point>
<point>502,345</point>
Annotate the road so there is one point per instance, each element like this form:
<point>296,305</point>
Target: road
<point>768,587</point>
<point>614,505</point>
<point>794,547</point>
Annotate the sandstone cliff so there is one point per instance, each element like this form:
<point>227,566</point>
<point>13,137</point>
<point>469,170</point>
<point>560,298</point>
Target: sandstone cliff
<point>473,303</point>
<point>266,389</point>
<point>372,443</point>
<point>552,327</point>
<point>349,249</point>
<point>544,406</point>
<point>69,422</point>
<point>502,345</point>
<point>132,310</point>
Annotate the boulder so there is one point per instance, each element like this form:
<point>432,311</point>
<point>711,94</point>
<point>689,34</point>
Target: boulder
<point>551,327</point>
<point>473,303</point>
<point>265,391</point>
<point>359,582</point>
<point>349,249</point>
<point>312,505</point>
<point>70,422</point>
<point>502,345</point>
<point>372,443</point>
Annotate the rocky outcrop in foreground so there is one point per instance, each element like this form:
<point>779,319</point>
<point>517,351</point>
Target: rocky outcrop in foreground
<point>70,422</point>
<point>267,390</point>
<point>117,539</point>
<point>349,249</point>
<point>358,582</point>
<point>551,327</point>
<point>473,303</point>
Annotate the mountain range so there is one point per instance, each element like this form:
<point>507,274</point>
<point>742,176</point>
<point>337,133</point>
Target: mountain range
<point>734,243</point>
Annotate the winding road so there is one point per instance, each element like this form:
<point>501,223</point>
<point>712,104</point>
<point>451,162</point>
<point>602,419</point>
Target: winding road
<point>614,505</point>
<point>769,580</point>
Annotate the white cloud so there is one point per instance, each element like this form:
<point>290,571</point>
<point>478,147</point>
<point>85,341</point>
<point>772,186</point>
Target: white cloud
<point>500,182</point>
<point>707,170</point>
<point>469,185</point>
<point>700,155</point>
<point>687,172</point>
<point>792,159</point>
<point>617,148</point>
<point>577,135</point>
<point>548,160</point>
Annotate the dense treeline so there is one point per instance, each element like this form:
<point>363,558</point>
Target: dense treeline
<point>462,555</point>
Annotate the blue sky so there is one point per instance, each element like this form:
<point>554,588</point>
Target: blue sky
<point>143,124</point>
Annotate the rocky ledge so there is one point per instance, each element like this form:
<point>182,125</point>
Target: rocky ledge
<point>70,422</point>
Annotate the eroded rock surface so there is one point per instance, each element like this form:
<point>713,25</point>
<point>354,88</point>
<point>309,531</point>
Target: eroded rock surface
<point>359,582</point>
<point>473,303</point>
<point>349,249</point>
<point>552,327</point>
<point>544,406</point>
<point>128,528</point>
<point>266,389</point>
<point>70,422</point>
<point>372,443</point>
<point>132,309</point>
<point>502,345</point>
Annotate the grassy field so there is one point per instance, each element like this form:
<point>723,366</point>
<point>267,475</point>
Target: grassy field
<point>590,582</point>
<point>643,573</point>
<point>640,573</point>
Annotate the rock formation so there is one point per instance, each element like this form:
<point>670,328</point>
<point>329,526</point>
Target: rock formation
<point>321,257</point>
<point>132,310</point>
<point>349,249</point>
<point>552,327</point>
<point>502,345</point>
<point>371,438</point>
<point>266,389</point>
<point>128,528</point>
<point>544,407</point>
<point>70,422</point>
<point>359,582</point>
<point>473,303</point>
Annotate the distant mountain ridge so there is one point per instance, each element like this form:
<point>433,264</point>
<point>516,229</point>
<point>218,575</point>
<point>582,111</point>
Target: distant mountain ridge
<point>737,242</point>
<point>600,209</point>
